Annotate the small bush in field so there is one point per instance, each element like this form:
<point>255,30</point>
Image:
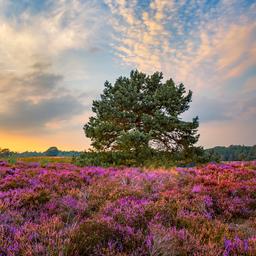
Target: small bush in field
<point>90,235</point>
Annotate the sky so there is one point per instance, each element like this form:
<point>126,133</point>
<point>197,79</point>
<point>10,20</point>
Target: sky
<point>55,56</point>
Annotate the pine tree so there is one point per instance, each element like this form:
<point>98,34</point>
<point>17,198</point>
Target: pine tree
<point>142,113</point>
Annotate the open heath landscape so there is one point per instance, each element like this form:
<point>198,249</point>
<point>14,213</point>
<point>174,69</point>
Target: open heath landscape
<point>127,128</point>
<point>62,209</point>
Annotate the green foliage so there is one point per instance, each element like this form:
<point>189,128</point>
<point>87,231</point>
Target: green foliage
<point>104,159</point>
<point>5,153</point>
<point>43,162</point>
<point>233,153</point>
<point>34,156</point>
<point>52,151</point>
<point>36,198</point>
<point>12,160</point>
<point>88,236</point>
<point>30,154</point>
<point>141,113</point>
<point>146,158</point>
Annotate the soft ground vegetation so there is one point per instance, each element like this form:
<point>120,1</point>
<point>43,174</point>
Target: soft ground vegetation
<point>62,209</point>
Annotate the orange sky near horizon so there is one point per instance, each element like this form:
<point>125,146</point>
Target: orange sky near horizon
<point>21,143</point>
<point>78,141</point>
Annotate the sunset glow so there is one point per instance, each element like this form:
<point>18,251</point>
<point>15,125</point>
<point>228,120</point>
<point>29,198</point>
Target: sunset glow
<point>56,56</point>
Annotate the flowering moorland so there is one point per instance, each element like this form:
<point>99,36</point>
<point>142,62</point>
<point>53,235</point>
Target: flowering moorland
<point>62,209</point>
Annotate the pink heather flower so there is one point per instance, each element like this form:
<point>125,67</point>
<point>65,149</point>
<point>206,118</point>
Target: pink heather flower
<point>196,189</point>
<point>208,201</point>
<point>69,202</point>
<point>149,241</point>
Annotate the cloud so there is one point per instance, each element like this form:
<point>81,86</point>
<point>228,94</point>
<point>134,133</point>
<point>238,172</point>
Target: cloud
<point>35,93</point>
<point>250,85</point>
<point>247,110</point>
<point>25,115</point>
<point>39,82</point>
<point>36,100</point>
<point>141,38</point>
<point>216,133</point>
<point>212,109</point>
<point>27,37</point>
<point>190,41</point>
<point>205,45</point>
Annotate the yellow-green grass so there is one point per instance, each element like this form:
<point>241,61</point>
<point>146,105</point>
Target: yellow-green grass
<point>50,159</point>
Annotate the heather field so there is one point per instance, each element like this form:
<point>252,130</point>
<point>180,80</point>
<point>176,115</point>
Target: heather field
<point>62,209</point>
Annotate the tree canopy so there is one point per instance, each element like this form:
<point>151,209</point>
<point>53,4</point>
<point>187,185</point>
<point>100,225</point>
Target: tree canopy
<point>5,152</point>
<point>52,151</point>
<point>142,112</point>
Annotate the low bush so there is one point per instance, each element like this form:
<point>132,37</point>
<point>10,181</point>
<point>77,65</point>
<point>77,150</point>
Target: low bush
<point>149,159</point>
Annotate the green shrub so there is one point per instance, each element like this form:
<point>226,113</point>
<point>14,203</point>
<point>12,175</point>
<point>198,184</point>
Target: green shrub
<point>90,235</point>
<point>44,162</point>
<point>36,198</point>
<point>147,158</point>
<point>12,160</point>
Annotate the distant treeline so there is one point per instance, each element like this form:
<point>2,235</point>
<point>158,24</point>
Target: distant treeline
<point>52,151</point>
<point>219,153</point>
<point>233,153</point>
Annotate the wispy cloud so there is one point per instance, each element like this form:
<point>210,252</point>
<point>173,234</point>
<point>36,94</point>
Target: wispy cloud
<point>204,44</point>
<point>38,82</point>
<point>28,37</point>
<point>26,116</point>
<point>32,101</point>
<point>181,38</point>
<point>32,91</point>
<point>250,85</point>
